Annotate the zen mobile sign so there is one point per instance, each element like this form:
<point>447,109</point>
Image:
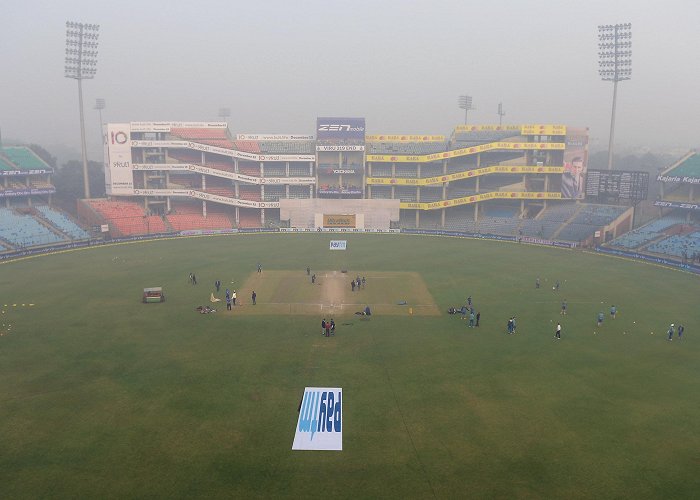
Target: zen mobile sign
<point>340,128</point>
<point>320,424</point>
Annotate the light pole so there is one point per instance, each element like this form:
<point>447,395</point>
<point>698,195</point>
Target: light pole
<point>224,113</point>
<point>465,103</point>
<point>501,114</point>
<point>81,64</point>
<point>100,104</point>
<point>614,64</point>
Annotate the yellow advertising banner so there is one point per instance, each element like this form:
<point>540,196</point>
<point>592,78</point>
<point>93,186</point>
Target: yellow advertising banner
<point>344,220</point>
<point>467,174</point>
<point>404,138</point>
<point>543,146</point>
<point>543,130</point>
<point>495,195</point>
<point>479,128</point>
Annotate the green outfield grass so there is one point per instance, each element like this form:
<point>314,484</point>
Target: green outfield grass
<point>102,396</point>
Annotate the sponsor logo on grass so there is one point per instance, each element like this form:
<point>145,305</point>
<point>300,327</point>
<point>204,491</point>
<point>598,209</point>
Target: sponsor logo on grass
<point>339,245</point>
<point>320,425</point>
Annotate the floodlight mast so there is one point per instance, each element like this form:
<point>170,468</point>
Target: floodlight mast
<point>81,64</point>
<point>465,103</point>
<point>501,114</point>
<point>614,65</point>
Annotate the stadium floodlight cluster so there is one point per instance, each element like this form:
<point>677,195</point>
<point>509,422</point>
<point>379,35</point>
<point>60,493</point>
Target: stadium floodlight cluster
<point>465,102</point>
<point>81,64</point>
<point>81,50</point>
<point>615,54</point>
<point>614,64</point>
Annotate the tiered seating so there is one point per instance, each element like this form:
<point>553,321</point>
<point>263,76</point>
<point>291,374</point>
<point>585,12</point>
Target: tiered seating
<point>690,166</point>
<point>227,191</point>
<point>298,170</point>
<point>430,220</point>
<point>287,147</point>
<point>503,211</point>
<point>183,222</point>
<point>24,230</point>
<point>185,156</point>
<point>407,219</point>
<point>406,148</point>
<point>685,245</point>
<point>459,192</point>
<point>539,228</point>
<point>381,170</point>
<point>24,158</point>
<point>6,165</point>
<point>576,232</point>
<point>128,218</point>
<point>62,222</point>
<point>466,139</point>
<point>221,165</point>
<point>406,173</point>
<point>196,134</point>
<point>275,170</point>
<point>249,169</point>
<point>248,218</point>
<point>251,193</point>
<point>381,192</point>
<point>274,193</point>
<point>598,215</point>
<point>642,235</point>
<point>219,143</point>
<point>272,217</point>
<point>406,194</point>
<point>299,192</point>
<point>497,225</point>
<point>185,181</point>
<point>430,194</point>
<point>453,168</point>
<point>460,219</point>
<point>247,146</point>
<point>430,170</point>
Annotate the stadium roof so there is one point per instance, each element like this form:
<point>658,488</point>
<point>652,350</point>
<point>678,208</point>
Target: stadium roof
<point>21,158</point>
<point>688,166</point>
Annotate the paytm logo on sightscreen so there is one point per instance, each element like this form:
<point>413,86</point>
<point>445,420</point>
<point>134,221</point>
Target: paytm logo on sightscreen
<point>320,425</point>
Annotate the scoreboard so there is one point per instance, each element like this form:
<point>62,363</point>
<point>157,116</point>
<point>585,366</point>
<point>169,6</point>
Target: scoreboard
<point>616,186</point>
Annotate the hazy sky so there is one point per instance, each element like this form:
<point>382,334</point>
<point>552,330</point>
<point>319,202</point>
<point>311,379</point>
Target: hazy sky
<point>400,64</point>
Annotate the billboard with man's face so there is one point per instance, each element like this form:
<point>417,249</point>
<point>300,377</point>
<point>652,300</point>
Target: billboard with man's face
<point>573,185</point>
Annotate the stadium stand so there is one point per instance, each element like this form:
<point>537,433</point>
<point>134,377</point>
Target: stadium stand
<point>23,230</point>
<point>127,218</point>
<point>251,193</point>
<point>299,170</point>
<point>248,218</point>
<point>406,148</point>
<point>247,146</point>
<point>287,147</point>
<point>23,158</point>
<point>63,223</point>
<point>471,138</point>
<point>249,168</point>
<point>274,193</point>
<point>681,246</point>
<point>648,233</point>
<point>195,134</point>
<point>299,192</point>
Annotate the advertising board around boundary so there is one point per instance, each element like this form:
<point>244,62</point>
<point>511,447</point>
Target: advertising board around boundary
<point>339,245</point>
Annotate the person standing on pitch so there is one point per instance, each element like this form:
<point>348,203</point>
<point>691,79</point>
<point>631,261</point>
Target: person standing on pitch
<point>613,312</point>
<point>478,317</point>
<point>352,285</point>
<point>670,332</point>
<point>471,319</point>
<point>563,308</point>
<point>364,281</point>
<point>680,331</point>
<point>600,318</point>
<point>557,334</point>
<point>194,279</point>
<point>323,326</point>
<point>537,282</point>
<point>332,327</point>
<point>308,271</point>
<point>217,284</point>
<point>254,296</point>
<point>233,297</point>
<point>228,302</point>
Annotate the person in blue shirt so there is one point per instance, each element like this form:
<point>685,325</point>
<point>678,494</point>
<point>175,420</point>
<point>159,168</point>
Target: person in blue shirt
<point>601,316</point>
<point>670,332</point>
<point>471,320</point>
<point>613,312</point>
<point>563,308</point>
<point>681,329</point>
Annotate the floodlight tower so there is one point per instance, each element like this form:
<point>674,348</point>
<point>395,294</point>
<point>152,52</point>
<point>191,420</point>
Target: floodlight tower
<point>614,64</point>
<point>501,114</point>
<point>81,64</point>
<point>100,104</point>
<point>465,103</point>
<point>224,113</point>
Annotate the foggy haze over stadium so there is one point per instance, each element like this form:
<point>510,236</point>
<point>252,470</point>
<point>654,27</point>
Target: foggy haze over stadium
<point>402,65</point>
